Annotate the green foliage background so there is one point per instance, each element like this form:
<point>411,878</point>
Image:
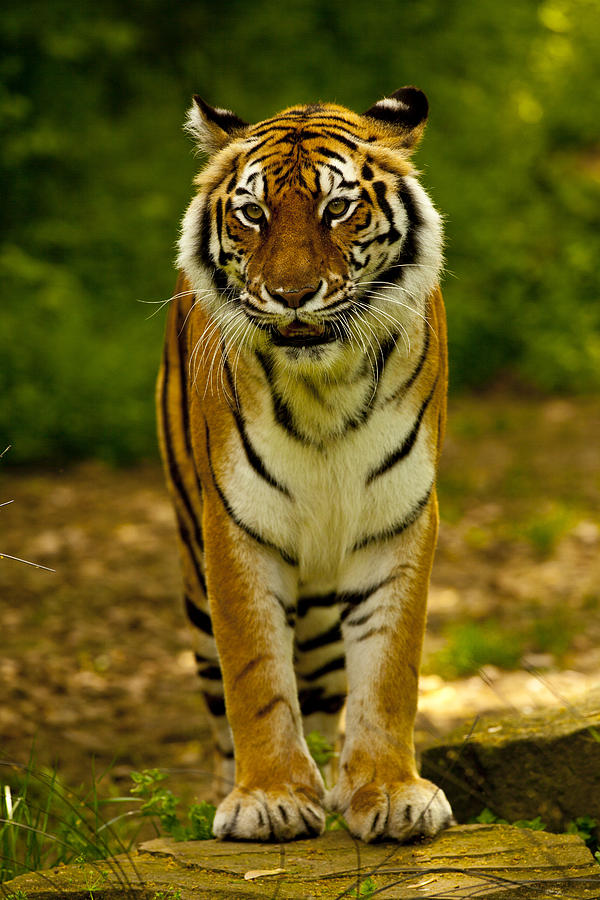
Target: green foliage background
<point>96,173</point>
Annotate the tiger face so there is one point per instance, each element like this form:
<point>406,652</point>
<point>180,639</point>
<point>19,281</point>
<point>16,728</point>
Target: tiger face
<point>310,237</point>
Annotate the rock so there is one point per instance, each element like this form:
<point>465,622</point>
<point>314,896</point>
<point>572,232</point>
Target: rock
<point>496,861</point>
<point>544,764</point>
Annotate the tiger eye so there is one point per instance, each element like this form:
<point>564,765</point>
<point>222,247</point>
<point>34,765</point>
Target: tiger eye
<point>337,207</point>
<point>253,212</point>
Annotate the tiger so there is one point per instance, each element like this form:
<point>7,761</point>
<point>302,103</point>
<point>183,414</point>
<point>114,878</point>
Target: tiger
<point>302,407</point>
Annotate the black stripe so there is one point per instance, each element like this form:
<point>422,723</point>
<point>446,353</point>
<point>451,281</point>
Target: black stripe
<point>183,384</point>
<point>342,140</point>
<point>293,135</point>
<point>336,124</point>
<point>417,370</point>
<point>211,673</point>
<point>334,665</point>
<point>315,699</point>
<point>363,637</point>
<point>171,462</point>
<point>266,128</point>
<point>198,617</point>
<point>385,350</point>
<point>367,172</point>
<point>331,636</point>
<point>270,706</point>
<point>205,227</point>
<point>409,247</point>
<point>224,257</point>
<point>366,223</point>
<point>409,250</point>
<point>251,455</point>
<point>366,198</point>
<point>350,600</point>
<point>314,111</point>
<point>281,410</point>
<point>233,179</point>
<point>219,213</point>
<point>226,754</point>
<point>398,527</point>
<point>330,154</point>
<point>292,172</point>
<point>392,235</point>
<point>407,444</point>
<point>218,275</point>
<point>314,392</point>
<point>327,117</point>
<point>305,604</point>
<point>266,156</point>
<point>229,510</point>
<point>404,387</point>
<point>186,540</point>
<point>362,620</point>
<point>289,611</point>
<point>205,660</point>
<point>216,705</point>
<point>340,174</point>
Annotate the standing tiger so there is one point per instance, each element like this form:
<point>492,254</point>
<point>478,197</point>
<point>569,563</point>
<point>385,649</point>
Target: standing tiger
<point>302,408</point>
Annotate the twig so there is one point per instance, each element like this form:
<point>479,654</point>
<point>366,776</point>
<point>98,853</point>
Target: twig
<point>26,561</point>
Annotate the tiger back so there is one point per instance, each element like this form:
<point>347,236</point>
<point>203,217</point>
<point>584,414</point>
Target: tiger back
<point>301,406</point>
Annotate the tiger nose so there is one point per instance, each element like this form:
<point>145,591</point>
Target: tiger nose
<point>296,297</point>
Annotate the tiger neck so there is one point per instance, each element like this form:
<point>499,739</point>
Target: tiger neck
<point>317,409</point>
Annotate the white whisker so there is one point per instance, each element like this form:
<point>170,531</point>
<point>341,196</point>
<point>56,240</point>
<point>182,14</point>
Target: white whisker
<point>377,313</point>
<point>162,303</point>
<point>235,335</point>
<point>355,322</point>
<point>237,359</point>
<point>397,302</point>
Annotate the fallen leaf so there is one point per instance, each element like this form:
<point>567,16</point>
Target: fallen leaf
<point>260,873</point>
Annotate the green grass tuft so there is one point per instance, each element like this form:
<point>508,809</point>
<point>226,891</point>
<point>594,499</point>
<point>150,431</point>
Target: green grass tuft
<point>44,824</point>
<point>471,645</point>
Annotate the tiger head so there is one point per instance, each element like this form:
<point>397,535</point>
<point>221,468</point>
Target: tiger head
<point>310,237</point>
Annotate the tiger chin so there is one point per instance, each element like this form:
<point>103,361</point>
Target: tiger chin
<point>302,406</point>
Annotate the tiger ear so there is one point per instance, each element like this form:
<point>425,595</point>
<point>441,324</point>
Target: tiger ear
<point>210,127</point>
<point>405,114</point>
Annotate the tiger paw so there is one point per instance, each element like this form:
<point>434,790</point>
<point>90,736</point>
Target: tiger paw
<point>399,810</point>
<point>277,814</point>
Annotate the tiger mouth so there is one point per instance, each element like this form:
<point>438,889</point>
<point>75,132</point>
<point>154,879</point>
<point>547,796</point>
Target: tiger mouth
<point>302,334</point>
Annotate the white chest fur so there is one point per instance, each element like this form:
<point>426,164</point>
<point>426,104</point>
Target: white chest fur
<point>325,501</point>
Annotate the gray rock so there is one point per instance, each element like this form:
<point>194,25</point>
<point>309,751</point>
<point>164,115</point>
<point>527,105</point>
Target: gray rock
<point>546,764</point>
<point>496,861</point>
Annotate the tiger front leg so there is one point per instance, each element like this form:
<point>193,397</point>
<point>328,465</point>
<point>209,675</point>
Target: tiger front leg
<point>379,791</point>
<point>279,791</point>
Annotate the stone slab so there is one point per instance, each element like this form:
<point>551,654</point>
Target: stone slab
<point>496,861</point>
<point>546,764</point>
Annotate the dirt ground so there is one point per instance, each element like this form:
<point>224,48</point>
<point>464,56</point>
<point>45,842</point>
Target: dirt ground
<point>95,662</point>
